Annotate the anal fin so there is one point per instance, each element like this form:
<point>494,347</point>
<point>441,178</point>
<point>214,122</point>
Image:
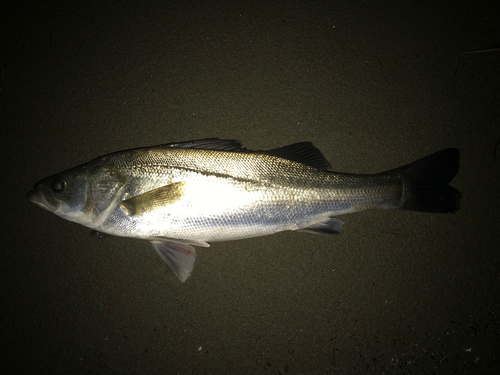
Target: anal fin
<point>330,226</point>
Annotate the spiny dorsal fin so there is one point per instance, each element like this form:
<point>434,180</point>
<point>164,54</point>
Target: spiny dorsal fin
<point>215,144</point>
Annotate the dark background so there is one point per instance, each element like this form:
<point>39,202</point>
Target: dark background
<point>374,85</point>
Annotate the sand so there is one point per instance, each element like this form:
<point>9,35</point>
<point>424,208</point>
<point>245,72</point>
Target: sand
<point>373,86</point>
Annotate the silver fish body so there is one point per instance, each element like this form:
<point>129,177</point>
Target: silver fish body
<point>183,194</point>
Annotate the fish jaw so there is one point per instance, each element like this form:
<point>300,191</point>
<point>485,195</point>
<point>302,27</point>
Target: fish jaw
<point>39,200</point>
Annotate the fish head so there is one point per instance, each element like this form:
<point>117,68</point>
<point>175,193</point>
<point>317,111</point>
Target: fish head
<point>85,194</point>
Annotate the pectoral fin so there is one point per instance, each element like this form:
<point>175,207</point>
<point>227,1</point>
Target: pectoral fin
<point>179,256</point>
<point>154,199</point>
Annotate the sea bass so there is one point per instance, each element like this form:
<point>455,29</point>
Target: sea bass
<point>181,195</point>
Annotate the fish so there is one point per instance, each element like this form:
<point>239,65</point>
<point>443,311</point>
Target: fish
<point>186,194</point>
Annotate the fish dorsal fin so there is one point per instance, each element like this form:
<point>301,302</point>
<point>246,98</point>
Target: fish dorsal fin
<point>153,199</point>
<point>215,144</point>
<point>303,152</point>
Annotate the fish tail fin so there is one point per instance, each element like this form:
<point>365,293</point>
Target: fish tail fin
<point>426,183</point>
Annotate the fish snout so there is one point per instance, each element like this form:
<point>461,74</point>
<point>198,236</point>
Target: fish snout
<point>37,198</point>
<point>33,197</point>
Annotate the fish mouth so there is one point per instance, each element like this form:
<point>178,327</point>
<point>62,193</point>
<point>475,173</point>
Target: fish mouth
<point>39,200</point>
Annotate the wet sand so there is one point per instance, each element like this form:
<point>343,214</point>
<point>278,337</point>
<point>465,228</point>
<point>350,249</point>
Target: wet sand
<point>372,86</point>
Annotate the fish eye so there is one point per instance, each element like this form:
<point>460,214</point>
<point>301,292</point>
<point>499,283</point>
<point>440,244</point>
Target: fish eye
<point>58,185</point>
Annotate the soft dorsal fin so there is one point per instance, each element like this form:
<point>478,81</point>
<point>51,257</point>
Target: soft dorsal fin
<point>303,152</point>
